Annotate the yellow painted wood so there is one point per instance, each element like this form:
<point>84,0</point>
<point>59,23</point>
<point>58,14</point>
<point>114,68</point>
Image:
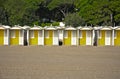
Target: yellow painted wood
<point>49,40</point>
<point>15,41</point>
<point>67,41</point>
<point>117,40</point>
<point>34,41</point>
<point>1,37</point>
<point>101,41</point>
<point>83,39</point>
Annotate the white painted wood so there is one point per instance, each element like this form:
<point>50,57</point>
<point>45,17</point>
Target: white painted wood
<point>74,37</point>
<point>93,36</point>
<point>43,36</point>
<point>40,38</point>
<point>55,37</point>
<point>12,34</point>
<point>88,37</point>
<point>80,34</point>
<point>60,34</point>
<point>113,37</point>
<point>8,36</point>
<point>28,37</point>
<point>21,35</point>
<point>32,33</point>
<point>5,37</point>
<point>78,37</point>
<point>46,34</point>
<point>107,37</point>
<point>65,34</point>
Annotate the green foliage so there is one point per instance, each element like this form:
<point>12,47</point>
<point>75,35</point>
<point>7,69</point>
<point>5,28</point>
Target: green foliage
<point>49,24</point>
<point>14,11</point>
<point>55,24</point>
<point>74,20</point>
<point>45,24</point>
<point>2,12</point>
<point>29,12</point>
<point>63,6</point>
<point>22,12</point>
<point>98,12</point>
<point>35,23</point>
<point>56,3</point>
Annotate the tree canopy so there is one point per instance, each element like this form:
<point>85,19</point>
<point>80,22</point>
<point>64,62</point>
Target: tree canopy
<point>72,12</point>
<point>100,12</point>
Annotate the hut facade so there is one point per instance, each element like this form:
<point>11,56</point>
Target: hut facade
<point>51,36</point>
<point>36,36</point>
<point>105,36</point>
<point>117,36</point>
<point>85,36</point>
<point>4,35</point>
<point>16,35</point>
<point>70,36</point>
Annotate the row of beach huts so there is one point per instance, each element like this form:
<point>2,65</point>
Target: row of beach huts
<point>80,36</point>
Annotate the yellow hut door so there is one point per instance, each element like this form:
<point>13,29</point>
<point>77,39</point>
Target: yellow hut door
<point>33,37</point>
<point>14,37</point>
<point>51,37</point>
<point>117,38</point>
<point>48,37</point>
<point>67,37</point>
<point>101,40</point>
<point>83,37</point>
<point>1,37</point>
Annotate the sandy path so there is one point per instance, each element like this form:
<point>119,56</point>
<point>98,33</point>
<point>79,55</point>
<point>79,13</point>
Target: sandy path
<point>59,62</point>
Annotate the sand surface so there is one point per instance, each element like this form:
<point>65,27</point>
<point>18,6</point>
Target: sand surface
<point>59,62</point>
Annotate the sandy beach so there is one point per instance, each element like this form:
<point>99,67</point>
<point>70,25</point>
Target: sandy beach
<point>59,62</point>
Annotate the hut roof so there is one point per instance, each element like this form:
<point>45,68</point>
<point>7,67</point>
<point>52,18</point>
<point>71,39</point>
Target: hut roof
<point>50,28</point>
<point>36,28</point>
<point>106,28</point>
<point>86,28</point>
<point>4,27</point>
<point>70,28</point>
<point>117,27</point>
<point>16,27</point>
<point>26,27</point>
